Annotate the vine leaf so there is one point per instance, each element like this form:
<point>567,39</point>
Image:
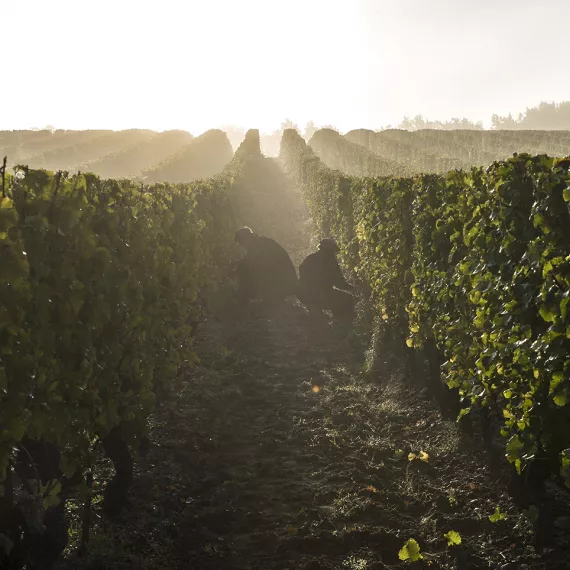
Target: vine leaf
<point>497,515</point>
<point>453,538</point>
<point>410,551</point>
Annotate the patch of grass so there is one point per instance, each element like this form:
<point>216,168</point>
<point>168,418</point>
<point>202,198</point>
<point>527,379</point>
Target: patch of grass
<point>103,551</point>
<point>356,563</point>
<point>347,504</point>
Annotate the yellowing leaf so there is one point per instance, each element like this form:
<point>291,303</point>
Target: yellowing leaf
<point>561,399</point>
<point>548,314</point>
<point>410,551</point>
<point>463,412</point>
<point>453,538</point>
<point>497,515</point>
<point>424,456</point>
<point>557,378</point>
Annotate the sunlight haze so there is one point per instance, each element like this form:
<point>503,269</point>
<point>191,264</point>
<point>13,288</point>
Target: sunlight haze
<point>197,65</point>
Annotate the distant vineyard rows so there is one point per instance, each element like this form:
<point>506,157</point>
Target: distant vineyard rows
<point>174,156</point>
<point>401,153</point>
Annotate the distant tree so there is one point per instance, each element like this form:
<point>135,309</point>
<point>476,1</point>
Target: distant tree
<point>418,122</point>
<point>507,122</point>
<point>289,124</point>
<point>412,124</point>
<point>545,116</point>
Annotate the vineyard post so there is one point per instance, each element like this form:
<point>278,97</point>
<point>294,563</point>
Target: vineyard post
<point>7,499</point>
<point>86,522</point>
<point>76,180</point>
<point>4,176</point>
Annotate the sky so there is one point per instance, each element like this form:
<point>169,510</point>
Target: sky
<point>201,64</point>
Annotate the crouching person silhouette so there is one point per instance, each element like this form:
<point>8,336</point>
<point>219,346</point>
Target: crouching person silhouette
<point>322,286</point>
<point>266,272</point>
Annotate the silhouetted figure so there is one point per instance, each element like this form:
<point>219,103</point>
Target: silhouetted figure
<point>266,272</point>
<point>321,281</point>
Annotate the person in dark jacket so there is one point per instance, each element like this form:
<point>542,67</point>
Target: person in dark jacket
<point>322,285</point>
<point>266,272</point>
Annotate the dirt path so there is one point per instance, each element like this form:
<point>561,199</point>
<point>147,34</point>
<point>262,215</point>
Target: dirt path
<point>277,454</point>
<point>252,467</point>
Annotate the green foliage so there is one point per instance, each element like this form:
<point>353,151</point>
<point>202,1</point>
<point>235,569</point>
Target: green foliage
<point>410,551</point>
<point>497,515</point>
<point>565,466</point>
<point>370,218</point>
<point>477,262</point>
<point>100,284</point>
<point>453,538</point>
<point>492,274</point>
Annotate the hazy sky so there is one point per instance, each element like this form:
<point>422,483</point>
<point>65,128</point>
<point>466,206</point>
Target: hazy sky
<point>199,64</point>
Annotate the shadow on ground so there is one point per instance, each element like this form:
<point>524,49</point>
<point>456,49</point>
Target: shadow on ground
<point>277,454</point>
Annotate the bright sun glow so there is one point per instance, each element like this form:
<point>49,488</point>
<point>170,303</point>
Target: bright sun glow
<point>199,64</point>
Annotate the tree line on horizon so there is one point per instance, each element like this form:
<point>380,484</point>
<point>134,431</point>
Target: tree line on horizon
<point>544,116</point>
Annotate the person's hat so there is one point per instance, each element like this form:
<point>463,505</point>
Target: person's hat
<point>329,244</point>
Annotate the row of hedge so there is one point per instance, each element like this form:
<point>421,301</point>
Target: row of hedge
<point>439,151</point>
<point>355,159</point>
<point>100,284</point>
<point>476,262</point>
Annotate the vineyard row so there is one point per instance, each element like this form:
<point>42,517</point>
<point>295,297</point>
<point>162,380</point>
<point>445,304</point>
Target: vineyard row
<point>101,283</point>
<point>472,269</point>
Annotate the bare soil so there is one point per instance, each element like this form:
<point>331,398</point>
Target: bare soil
<point>278,454</point>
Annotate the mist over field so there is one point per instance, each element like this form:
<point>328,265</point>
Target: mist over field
<point>284,285</point>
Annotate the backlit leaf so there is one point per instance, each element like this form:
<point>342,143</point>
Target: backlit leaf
<point>410,551</point>
<point>453,538</point>
<point>497,515</point>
